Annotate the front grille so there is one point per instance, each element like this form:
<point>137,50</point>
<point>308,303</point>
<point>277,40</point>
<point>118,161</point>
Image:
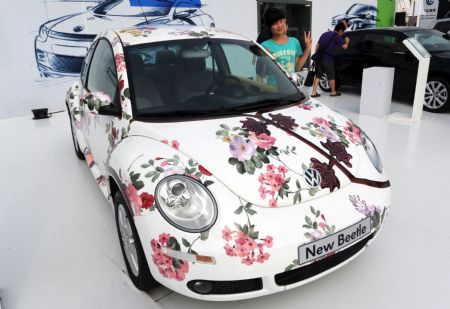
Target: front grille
<point>231,287</point>
<point>65,64</point>
<point>72,36</point>
<point>305,272</point>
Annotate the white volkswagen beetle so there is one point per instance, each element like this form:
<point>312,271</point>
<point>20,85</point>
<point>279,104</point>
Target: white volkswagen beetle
<point>226,182</point>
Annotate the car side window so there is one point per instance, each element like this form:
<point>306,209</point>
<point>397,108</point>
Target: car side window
<point>87,59</point>
<point>356,41</point>
<point>102,76</point>
<point>381,42</point>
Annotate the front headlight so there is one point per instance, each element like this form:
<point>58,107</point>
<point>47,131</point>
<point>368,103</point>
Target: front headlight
<point>372,152</point>
<point>43,32</point>
<point>186,203</point>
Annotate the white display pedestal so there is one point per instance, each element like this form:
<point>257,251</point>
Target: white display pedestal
<point>422,75</point>
<point>376,92</point>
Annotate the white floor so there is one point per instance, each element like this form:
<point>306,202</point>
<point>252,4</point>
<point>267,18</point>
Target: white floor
<point>59,247</point>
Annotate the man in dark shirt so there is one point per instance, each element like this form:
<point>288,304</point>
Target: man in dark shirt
<point>325,62</point>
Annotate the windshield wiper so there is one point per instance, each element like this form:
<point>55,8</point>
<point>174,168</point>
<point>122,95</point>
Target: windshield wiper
<point>263,104</point>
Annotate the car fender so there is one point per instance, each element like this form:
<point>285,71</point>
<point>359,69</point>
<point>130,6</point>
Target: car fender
<point>138,163</point>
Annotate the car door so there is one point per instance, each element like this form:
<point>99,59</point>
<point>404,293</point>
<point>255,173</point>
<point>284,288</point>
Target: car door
<point>101,85</point>
<point>350,62</point>
<point>387,50</point>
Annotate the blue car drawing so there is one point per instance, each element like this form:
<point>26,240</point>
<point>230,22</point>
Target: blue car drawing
<point>360,16</point>
<point>62,43</point>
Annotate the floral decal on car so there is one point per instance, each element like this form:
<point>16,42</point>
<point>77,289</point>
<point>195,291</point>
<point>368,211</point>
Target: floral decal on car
<point>244,242</point>
<point>317,227</point>
<point>171,267</point>
<point>307,106</point>
<point>368,210</point>
<point>155,169</point>
<point>329,129</point>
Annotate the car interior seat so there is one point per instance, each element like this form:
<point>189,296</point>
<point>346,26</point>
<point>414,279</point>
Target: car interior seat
<point>192,77</point>
<point>146,92</point>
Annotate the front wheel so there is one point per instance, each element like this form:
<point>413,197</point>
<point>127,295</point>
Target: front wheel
<point>131,246</point>
<point>437,95</point>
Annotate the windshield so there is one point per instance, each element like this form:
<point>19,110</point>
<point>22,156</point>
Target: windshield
<point>432,40</point>
<point>119,8</point>
<point>205,76</point>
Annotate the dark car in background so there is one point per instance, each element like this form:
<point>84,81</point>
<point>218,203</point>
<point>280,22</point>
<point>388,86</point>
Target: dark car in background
<point>385,48</point>
<point>443,25</point>
<point>360,16</point>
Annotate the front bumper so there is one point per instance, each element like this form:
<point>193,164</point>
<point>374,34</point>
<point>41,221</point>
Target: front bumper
<point>60,57</point>
<point>286,225</point>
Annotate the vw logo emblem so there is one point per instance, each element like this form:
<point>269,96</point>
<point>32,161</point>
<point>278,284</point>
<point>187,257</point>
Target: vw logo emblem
<point>430,2</point>
<point>312,177</point>
<point>78,28</point>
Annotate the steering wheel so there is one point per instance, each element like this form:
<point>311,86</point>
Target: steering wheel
<point>220,81</point>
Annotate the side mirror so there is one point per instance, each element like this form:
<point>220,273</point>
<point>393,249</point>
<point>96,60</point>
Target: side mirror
<point>182,14</point>
<point>296,78</point>
<point>101,103</point>
<point>110,110</point>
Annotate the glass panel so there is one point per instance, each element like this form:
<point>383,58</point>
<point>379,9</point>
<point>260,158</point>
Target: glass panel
<point>102,71</point>
<point>179,79</point>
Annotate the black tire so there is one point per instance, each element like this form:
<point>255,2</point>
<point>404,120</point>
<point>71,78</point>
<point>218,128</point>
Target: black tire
<point>141,276</point>
<point>437,95</point>
<point>325,86</point>
<point>76,146</point>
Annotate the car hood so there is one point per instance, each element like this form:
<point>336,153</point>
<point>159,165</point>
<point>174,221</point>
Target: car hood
<point>443,54</point>
<point>345,16</point>
<point>88,23</point>
<point>227,151</point>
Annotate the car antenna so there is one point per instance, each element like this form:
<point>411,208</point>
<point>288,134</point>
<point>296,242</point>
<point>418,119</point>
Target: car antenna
<point>143,13</point>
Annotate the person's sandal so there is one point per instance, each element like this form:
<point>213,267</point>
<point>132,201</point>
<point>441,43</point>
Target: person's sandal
<point>315,95</point>
<point>337,94</point>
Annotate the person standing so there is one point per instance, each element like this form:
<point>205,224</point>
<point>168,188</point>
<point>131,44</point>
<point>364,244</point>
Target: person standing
<point>324,61</point>
<point>286,50</point>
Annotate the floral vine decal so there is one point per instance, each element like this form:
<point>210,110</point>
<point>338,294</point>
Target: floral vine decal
<point>138,32</point>
<point>372,211</point>
<point>155,169</point>
<point>320,228</point>
<point>244,242</point>
<point>307,106</point>
<point>170,267</point>
<point>327,174</point>
<point>329,129</point>
<point>195,34</point>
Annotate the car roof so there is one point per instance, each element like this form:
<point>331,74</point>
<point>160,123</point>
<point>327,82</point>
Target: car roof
<point>148,34</point>
<point>386,30</point>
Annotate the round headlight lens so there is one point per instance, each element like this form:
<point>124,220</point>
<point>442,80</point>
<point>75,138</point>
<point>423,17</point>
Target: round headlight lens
<point>186,203</point>
<point>372,152</point>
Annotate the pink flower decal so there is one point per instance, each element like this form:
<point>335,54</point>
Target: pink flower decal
<point>242,150</point>
<point>321,122</point>
<point>174,144</point>
<point>120,62</point>
<point>271,182</point>
<point>134,198</point>
<point>244,242</point>
<point>263,140</point>
<point>249,250</point>
<point>169,267</point>
<point>204,171</point>
<point>305,106</point>
<point>352,132</point>
<point>319,228</point>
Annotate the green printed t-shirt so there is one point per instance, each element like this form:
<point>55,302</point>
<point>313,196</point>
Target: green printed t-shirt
<point>285,54</point>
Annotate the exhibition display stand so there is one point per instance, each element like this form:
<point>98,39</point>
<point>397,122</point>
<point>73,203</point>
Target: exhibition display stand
<point>376,91</point>
<point>422,75</point>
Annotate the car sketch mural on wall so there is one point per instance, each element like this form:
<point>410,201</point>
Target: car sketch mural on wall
<point>63,42</point>
<point>360,16</point>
